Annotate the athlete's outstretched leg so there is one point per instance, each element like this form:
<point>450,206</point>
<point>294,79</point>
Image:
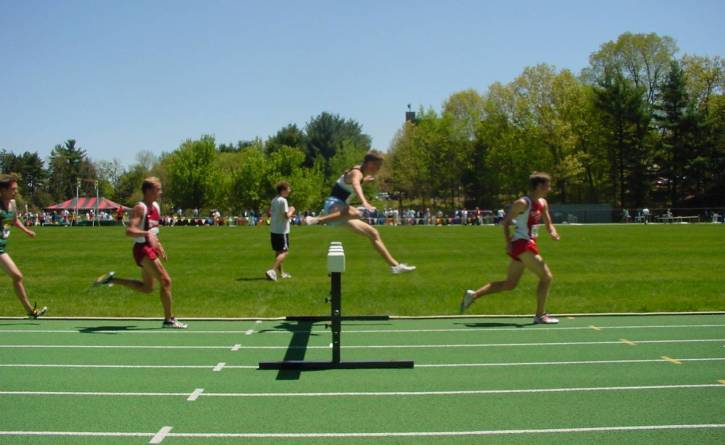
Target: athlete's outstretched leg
<point>145,286</point>
<point>372,233</point>
<point>537,265</point>
<point>515,270</point>
<point>8,265</point>
<point>158,272</point>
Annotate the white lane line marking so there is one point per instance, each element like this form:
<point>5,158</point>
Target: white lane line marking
<point>74,434</point>
<point>199,392</point>
<point>353,331</point>
<point>428,365</point>
<point>444,433</point>
<point>367,435</point>
<point>161,435</point>
<point>628,342</point>
<point>671,360</point>
<point>249,332</point>
<point>581,362</point>
<point>54,365</point>
<point>258,321</point>
<point>219,366</point>
<point>464,345</point>
<point>94,394</point>
<point>595,328</point>
<point>195,395</point>
<point>463,392</point>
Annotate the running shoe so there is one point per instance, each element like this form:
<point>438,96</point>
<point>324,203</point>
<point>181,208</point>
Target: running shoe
<point>285,275</point>
<point>310,220</point>
<point>545,319</point>
<point>174,324</point>
<point>271,274</point>
<point>105,279</point>
<point>37,312</point>
<point>402,268</point>
<point>467,300</point>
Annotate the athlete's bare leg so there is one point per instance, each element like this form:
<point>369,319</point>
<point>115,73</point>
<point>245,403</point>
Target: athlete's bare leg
<point>339,213</point>
<point>278,259</point>
<point>145,286</point>
<point>8,265</point>
<point>515,270</point>
<point>365,229</point>
<point>157,270</point>
<point>537,265</point>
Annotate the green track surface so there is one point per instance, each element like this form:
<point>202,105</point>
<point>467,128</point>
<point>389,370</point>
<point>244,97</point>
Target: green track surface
<point>219,271</point>
<point>502,356</point>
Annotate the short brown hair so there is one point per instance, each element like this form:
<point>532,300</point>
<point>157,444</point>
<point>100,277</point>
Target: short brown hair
<point>149,183</point>
<point>6,180</point>
<point>282,186</point>
<point>537,178</point>
<point>373,156</point>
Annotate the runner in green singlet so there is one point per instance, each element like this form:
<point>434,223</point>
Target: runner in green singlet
<point>9,218</point>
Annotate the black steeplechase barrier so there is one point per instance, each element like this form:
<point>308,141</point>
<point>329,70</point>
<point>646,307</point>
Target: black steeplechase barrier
<point>335,266</point>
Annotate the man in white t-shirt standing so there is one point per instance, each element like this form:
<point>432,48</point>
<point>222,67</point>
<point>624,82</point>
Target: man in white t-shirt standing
<point>281,213</point>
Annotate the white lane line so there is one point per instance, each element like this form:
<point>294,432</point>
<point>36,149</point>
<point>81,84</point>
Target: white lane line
<point>600,429</point>
<point>110,347</point>
<point>54,365</point>
<point>445,433</point>
<point>74,434</point>
<point>581,362</point>
<point>463,392</point>
<point>627,342</point>
<point>596,328</point>
<point>161,435</point>
<point>219,366</point>
<point>423,346</point>
<point>353,331</point>
<point>223,365</point>
<point>199,392</point>
<point>474,329</point>
<point>249,332</point>
<point>671,360</point>
<point>486,345</point>
<point>94,394</point>
<point>195,395</point>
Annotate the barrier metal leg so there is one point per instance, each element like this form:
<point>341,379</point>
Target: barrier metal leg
<point>336,319</point>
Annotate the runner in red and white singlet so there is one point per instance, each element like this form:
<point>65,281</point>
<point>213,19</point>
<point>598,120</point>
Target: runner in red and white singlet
<point>148,251</point>
<point>526,214</point>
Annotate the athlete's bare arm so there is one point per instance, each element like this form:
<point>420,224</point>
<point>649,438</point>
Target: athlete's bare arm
<point>356,178</point>
<point>18,223</point>
<point>549,224</point>
<point>134,228</point>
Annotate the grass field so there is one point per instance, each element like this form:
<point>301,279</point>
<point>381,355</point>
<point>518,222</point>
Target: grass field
<point>604,380</point>
<point>218,272</point>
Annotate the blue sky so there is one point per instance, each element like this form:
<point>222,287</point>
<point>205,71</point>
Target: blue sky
<point>125,76</point>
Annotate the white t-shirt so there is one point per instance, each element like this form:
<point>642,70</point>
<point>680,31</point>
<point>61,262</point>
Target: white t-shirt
<point>280,222</point>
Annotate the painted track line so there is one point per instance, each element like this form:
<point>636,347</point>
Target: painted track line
<point>423,346</point>
<point>161,435</point>
<point>168,434</point>
<point>353,331</point>
<point>199,392</point>
<point>222,365</point>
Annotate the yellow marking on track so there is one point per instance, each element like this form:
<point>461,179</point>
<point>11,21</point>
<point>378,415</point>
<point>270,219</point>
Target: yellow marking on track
<point>595,328</point>
<point>629,342</point>
<point>671,360</point>
<point>722,382</point>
